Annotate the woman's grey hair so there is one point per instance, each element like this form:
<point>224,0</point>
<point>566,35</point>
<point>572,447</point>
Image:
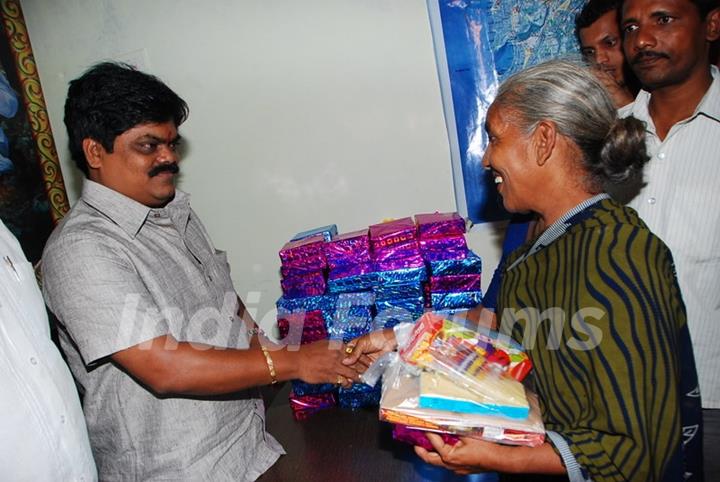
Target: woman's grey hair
<point>569,95</point>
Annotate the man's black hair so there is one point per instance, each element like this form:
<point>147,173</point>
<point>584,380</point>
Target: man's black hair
<point>592,11</point>
<point>110,98</point>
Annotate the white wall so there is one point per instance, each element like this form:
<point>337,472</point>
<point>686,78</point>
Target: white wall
<point>302,113</point>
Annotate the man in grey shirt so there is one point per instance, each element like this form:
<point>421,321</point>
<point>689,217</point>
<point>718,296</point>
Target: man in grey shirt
<point>153,329</point>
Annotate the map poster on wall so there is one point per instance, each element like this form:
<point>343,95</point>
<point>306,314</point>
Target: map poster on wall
<point>479,43</point>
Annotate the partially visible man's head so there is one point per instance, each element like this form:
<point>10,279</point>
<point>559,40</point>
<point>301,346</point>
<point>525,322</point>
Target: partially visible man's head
<point>111,98</point>
<point>667,42</point>
<point>597,28</point>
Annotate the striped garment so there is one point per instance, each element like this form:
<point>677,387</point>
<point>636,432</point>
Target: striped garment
<point>600,313</point>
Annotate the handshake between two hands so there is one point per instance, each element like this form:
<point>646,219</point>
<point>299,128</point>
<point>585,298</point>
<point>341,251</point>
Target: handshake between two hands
<point>329,361</point>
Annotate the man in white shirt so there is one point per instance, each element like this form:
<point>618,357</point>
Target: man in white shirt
<point>667,45</point>
<point>42,429</point>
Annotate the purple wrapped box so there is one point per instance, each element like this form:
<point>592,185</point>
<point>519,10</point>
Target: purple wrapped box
<point>308,327</point>
<point>345,271</point>
<point>452,247</point>
<point>308,265</point>
<point>297,253</point>
<point>394,264</point>
<point>301,286</point>
<point>439,225</point>
<point>412,436</point>
<point>394,239</point>
<point>304,406</point>
<point>348,249</point>
<point>452,283</point>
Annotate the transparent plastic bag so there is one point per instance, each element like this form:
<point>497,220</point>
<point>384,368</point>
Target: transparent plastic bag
<point>400,404</point>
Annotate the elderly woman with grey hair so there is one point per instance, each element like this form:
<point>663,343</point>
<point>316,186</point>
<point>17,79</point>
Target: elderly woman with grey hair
<point>594,297</point>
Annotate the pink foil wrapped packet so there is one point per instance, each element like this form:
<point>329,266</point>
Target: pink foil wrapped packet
<point>438,225</point>
<point>302,328</point>
<point>301,286</point>
<point>392,264</point>
<point>348,248</point>
<point>309,265</point>
<point>306,405</point>
<point>304,251</point>
<point>452,283</point>
<point>451,247</point>
<point>394,239</point>
<point>414,436</point>
<point>348,270</point>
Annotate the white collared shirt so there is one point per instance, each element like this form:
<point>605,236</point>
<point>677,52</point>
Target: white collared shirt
<point>681,204</point>
<point>42,428</point>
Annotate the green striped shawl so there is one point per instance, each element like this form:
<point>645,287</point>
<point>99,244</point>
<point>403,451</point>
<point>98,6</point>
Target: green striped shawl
<point>606,364</point>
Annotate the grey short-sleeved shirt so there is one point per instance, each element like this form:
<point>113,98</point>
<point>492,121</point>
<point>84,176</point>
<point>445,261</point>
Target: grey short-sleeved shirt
<point>117,273</point>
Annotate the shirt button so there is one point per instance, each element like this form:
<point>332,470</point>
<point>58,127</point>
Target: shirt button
<point>661,155</point>
<point>652,200</point>
<point>231,318</point>
<point>33,360</point>
<point>62,418</point>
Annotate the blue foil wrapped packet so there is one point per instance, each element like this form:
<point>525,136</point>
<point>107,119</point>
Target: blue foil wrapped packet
<point>349,330</point>
<point>402,276</point>
<point>472,264</point>
<point>398,291</point>
<point>359,395</point>
<point>451,301</point>
<point>392,312</point>
<point>327,232</point>
<point>359,282</point>
<point>360,298</point>
<point>325,303</point>
<point>302,388</point>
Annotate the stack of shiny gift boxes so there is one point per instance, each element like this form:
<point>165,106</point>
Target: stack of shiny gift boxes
<point>342,286</point>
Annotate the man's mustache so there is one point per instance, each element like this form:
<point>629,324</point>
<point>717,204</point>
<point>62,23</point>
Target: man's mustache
<point>648,54</point>
<point>168,167</point>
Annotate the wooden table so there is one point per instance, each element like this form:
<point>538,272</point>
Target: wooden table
<point>344,445</point>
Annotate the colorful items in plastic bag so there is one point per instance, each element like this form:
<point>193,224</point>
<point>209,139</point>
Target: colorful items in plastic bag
<point>503,396</point>
<point>464,355</point>
<point>306,405</point>
<point>327,232</point>
<point>399,405</point>
<point>439,225</point>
